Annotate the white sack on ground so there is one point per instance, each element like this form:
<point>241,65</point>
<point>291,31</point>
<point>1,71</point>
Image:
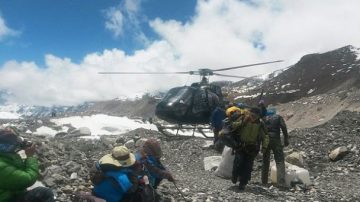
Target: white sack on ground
<point>226,165</point>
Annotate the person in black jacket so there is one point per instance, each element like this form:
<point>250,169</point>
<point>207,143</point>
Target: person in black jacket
<point>275,123</point>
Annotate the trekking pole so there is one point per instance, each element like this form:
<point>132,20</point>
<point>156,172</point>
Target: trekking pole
<point>182,195</point>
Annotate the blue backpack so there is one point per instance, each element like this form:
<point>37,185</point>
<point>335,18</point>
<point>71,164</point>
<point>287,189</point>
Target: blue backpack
<point>114,186</point>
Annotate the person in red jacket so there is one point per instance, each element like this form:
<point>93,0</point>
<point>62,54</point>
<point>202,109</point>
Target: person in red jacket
<point>17,174</point>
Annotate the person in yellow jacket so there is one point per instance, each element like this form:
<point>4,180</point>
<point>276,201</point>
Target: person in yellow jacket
<point>250,134</point>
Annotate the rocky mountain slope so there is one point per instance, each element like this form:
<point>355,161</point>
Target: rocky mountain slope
<point>65,164</point>
<point>314,74</point>
<point>321,120</point>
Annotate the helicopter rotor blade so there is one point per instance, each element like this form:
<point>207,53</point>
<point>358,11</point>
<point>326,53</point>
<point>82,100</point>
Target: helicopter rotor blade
<point>250,65</point>
<point>145,72</point>
<point>224,75</point>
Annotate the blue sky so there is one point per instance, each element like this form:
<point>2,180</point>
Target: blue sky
<point>51,51</point>
<point>69,28</point>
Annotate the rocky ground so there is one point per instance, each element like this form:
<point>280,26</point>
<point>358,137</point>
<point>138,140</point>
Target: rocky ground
<point>65,163</point>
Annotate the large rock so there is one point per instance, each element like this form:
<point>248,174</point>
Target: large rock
<point>82,131</point>
<point>140,142</point>
<point>130,144</point>
<point>207,144</point>
<point>338,153</point>
<point>212,162</point>
<point>295,158</point>
<point>293,175</point>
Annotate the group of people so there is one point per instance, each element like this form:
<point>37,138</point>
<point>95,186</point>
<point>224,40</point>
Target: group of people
<point>118,176</point>
<point>249,130</point>
<point>125,176</point>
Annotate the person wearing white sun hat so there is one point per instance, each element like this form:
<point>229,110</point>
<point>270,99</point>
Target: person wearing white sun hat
<point>120,157</point>
<point>117,176</point>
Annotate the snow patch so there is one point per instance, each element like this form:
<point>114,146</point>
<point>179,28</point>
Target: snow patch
<point>310,91</point>
<point>43,130</point>
<point>356,51</point>
<point>9,115</point>
<point>9,112</point>
<point>99,124</point>
<point>247,96</point>
<point>285,85</point>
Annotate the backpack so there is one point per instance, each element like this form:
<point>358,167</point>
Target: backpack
<point>227,134</point>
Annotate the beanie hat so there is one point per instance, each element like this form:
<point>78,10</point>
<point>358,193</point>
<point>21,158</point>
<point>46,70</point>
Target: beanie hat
<point>8,141</point>
<point>152,147</point>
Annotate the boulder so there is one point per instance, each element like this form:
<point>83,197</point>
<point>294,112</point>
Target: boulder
<point>108,142</point>
<point>293,175</point>
<point>140,142</point>
<point>35,185</point>
<point>61,134</point>
<point>338,153</point>
<point>212,162</point>
<point>73,176</point>
<point>82,131</point>
<point>130,144</point>
<point>207,144</point>
<point>295,158</point>
<point>120,140</point>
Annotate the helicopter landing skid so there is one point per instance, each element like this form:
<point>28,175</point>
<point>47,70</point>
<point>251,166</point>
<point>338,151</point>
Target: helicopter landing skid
<point>181,128</point>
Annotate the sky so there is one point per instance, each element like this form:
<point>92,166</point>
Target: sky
<point>51,51</point>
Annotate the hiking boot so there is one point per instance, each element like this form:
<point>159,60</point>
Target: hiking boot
<point>282,186</point>
<point>234,179</point>
<point>242,187</point>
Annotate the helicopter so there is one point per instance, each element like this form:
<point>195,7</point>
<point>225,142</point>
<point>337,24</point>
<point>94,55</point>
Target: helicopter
<point>190,107</point>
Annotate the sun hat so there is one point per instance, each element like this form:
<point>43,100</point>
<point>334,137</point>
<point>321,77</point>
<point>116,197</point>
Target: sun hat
<point>120,156</point>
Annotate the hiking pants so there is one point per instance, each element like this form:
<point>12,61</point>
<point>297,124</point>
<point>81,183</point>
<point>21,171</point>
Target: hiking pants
<point>39,194</point>
<point>277,148</point>
<point>242,168</point>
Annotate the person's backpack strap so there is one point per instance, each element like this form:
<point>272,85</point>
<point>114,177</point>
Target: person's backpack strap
<point>96,175</point>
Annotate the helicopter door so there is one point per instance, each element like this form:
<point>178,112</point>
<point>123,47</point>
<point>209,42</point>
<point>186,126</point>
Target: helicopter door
<point>201,101</point>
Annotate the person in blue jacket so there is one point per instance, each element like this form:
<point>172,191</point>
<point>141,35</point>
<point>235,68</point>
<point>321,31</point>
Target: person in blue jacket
<point>117,176</point>
<point>149,157</point>
<point>216,122</point>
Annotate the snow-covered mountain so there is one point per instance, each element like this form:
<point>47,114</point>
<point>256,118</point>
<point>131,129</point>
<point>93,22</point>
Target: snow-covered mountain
<point>15,111</point>
<point>314,74</point>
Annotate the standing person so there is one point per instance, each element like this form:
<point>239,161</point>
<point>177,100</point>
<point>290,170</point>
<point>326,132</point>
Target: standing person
<point>117,176</point>
<point>262,107</point>
<point>17,174</point>
<point>274,123</point>
<point>149,156</point>
<point>250,134</point>
<point>216,122</point>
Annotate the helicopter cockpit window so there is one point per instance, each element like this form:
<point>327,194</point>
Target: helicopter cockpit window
<point>179,95</point>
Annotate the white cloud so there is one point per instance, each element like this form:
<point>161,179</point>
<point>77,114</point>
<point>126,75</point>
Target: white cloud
<point>5,31</point>
<point>220,34</point>
<point>114,21</point>
<point>63,82</point>
<point>126,19</point>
